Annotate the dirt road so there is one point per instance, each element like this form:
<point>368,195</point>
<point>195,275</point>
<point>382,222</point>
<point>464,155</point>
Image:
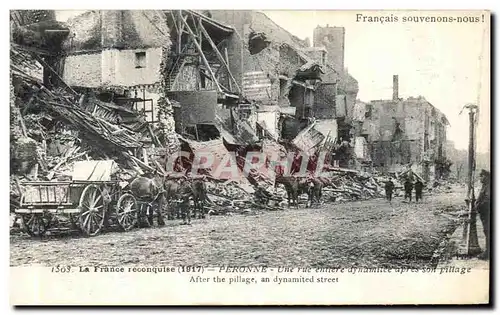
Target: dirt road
<point>369,233</point>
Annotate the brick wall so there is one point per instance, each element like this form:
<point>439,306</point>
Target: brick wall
<point>412,115</point>
<point>120,67</point>
<point>83,70</point>
<point>121,29</point>
<point>333,39</point>
<point>273,60</point>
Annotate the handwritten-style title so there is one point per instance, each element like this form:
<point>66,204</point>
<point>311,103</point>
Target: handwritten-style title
<point>362,18</point>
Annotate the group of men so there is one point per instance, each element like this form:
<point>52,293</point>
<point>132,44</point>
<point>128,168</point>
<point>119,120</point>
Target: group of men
<point>482,204</point>
<point>408,186</point>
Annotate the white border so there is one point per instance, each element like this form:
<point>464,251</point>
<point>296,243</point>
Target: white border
<point>148,4</point>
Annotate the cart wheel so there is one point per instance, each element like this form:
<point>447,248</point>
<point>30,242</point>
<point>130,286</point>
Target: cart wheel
<point>126,212</point>
<point>36,224</point>
<point>92,210</point>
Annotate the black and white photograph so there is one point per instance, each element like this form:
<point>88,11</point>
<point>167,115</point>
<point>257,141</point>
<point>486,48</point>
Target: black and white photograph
<point>249,151</point>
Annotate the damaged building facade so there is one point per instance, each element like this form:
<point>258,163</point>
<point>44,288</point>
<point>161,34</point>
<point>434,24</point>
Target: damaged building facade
<point>200,80</point>
<point>335,101</point>
<point>291,83</point>
<point>405,133</point>
<point>238,75</point>
<point>135,87</point>
<point>231,73</point>
<point>274,73</point>
<point>118,54</point>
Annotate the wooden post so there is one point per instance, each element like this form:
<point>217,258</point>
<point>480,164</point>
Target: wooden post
<point>199,30</point>
<point>227,61</point>
<point>202,55</point>
<point>221,58</point>
<point>180,30</point>
<point>21,121</point>
<point>196,131</point>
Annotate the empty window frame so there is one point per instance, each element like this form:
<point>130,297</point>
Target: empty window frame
<point>140,59</point>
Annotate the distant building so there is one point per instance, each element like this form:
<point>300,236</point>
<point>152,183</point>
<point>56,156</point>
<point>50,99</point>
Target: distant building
<point>336,95</point>
<point>404,132</point>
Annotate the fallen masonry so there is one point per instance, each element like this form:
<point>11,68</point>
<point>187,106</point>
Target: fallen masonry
<point>54,128</point>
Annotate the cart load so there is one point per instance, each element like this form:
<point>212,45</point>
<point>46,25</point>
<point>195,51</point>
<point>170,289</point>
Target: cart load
<point>92,201</point>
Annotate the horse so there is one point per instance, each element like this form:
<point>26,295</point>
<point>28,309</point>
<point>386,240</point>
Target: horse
<point>150,190</point>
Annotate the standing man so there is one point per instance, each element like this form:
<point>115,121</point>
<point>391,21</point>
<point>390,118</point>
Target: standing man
<point>389,188</point>
<point>408,188</point>
<point>482,206</point>
<point>419,186</point>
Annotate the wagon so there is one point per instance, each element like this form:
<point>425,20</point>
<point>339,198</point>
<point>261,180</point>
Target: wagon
<point>91,205</point>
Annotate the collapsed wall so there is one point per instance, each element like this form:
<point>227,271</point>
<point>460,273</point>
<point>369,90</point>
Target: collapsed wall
<point>125,52</point>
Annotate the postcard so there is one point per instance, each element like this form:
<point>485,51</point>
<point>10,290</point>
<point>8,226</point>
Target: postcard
<point>231,157</point>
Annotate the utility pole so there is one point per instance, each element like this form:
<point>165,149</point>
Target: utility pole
<point>470,246</point>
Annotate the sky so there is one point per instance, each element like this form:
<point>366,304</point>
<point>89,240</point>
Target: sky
<point>440,61</point>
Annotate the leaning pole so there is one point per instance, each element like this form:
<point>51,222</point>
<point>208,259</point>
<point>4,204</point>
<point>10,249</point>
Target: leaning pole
<point>470,244</point>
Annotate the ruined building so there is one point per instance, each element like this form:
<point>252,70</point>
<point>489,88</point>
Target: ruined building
<point>274,72</point>
<point>291,82</point>
<point>207,75</point>
<point>405,132</point>
<point>335,100</point>
<point>119,55</point>
<point>199,78</point>
<point>170,65</point>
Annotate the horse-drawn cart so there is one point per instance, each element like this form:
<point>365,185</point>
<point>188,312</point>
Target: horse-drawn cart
<point>91,205</point>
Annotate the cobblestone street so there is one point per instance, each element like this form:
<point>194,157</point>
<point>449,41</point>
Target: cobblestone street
<point>363,233</point>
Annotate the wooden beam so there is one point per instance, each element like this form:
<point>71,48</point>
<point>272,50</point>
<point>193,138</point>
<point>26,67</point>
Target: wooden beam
<point>219,55</point>
<point>181,67</point>
<point>196,131</point>
<point>174,20</point>
<point>57,31</point>
<point>179,33</point>
<point>205,61</point>
<point>46,65</point>
<point>227,60</point>
<point>21,122</point>
<point>200,26</point>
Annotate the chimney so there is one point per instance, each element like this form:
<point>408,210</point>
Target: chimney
<point>395,87</point>
<point>111,29</point>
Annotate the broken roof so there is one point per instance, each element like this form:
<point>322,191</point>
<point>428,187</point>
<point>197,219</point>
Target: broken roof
<point>279,33</point>
<point>261,23</point>
<point>211,24</point>
<point>310,67</point>
<point>22,64</point>
<point>122,29</point>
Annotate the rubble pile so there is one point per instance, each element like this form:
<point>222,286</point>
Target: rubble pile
<point>352,186</point>
<point>52,128</point>
<point>227,197</point>
<point>440,186</point>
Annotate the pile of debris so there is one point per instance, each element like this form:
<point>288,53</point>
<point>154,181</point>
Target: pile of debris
<point>55,128</point>
<point>52,128</point>
<point>344,184</point>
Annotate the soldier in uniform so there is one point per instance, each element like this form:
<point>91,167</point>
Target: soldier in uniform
<point>482,206</point>
<point>408,188</point>
<point>389,188</point>
<point>419,186</point>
